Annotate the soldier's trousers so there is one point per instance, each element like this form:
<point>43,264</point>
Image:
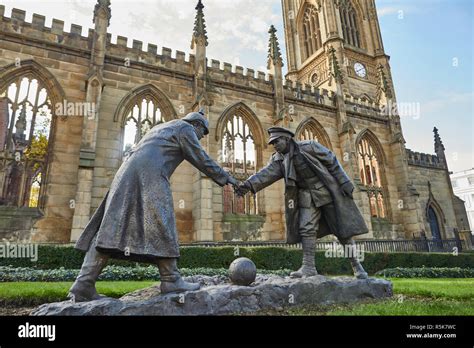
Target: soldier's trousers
<point>309,218</point>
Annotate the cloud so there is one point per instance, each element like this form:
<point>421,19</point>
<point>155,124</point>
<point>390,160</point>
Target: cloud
<point>451,113</point>
<point>383,11</point>
<point>237,29</point>
<point>448,101</point>
<point>401,8</point>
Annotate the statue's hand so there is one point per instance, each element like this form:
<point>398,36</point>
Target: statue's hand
<point>233,181</point>
<point>236,185</point>
<point>242,189</point>
<point>347,189</point>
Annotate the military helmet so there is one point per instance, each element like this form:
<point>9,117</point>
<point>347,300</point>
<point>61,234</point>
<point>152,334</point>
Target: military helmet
<point>198,116</point>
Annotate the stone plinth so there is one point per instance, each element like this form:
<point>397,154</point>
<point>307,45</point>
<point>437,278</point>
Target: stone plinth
<point>218,297</point>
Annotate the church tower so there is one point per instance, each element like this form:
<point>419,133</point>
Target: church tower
<point>319,31</point>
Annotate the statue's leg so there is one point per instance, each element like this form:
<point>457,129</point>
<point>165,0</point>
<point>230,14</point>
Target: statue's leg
<point>171,280</point>
<point>308,225</point>
<point>83,288</point>
<point>350,247</point>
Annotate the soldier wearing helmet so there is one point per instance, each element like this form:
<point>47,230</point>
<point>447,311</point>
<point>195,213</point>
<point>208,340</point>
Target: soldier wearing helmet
<point>136,220</point>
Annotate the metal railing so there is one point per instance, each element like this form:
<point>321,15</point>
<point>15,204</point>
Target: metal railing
<point>418,245</point>
<point>414,245</point>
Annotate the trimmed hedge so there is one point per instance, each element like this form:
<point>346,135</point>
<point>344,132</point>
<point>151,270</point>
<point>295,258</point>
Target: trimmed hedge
<point>271,258</point>
<point>426,272</point>
<point>110,273</point>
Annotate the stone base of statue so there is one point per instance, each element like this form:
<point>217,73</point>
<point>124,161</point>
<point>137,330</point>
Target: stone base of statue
<point>218,296</point>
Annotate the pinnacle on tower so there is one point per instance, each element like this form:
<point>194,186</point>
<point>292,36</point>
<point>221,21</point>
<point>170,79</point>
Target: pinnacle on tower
<point>334,64</point>
<point>200,23</point>
<point>105,6</point>
<point>274,53</point>
<point>438,145</point>
<point>383,82</point>
<point>439,148</point>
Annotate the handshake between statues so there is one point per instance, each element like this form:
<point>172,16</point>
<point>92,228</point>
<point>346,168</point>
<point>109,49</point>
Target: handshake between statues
<point>240,188</point>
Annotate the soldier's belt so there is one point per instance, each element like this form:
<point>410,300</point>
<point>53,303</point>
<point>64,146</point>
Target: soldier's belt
<point>310,183</point>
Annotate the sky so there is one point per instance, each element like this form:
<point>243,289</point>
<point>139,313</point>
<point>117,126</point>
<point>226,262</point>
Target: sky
<point>430,43</point>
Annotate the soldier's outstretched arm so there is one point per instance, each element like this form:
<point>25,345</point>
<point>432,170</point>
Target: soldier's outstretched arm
<point>195,154</point>
<point>271,173</point>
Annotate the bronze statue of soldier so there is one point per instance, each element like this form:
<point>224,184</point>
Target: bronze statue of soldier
<point>318,197</point>
<point>136,220</point>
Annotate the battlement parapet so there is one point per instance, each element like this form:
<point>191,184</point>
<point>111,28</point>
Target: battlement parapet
<point>224,72</point>
<point>362,104</point>
<point>424,160</point>
<point>37,30</point>
<point>308,93</point>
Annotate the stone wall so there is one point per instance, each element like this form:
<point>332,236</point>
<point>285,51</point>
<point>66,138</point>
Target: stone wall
<point>64,59</point>
<point>440,192</point>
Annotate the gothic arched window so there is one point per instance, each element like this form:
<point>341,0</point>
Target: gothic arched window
<point>370,161</point>
<point>143,116</point>
<point>26,112</point>
<point>311,130</point>
<point>239,156</point>
<point>349,23</point>
<point>143,108</point>
<point>311,31</point>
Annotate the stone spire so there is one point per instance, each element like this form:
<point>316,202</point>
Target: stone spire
<point>382,83</point>
<point>274,66</point>
<point>102,15</point>
<point>103,6</point>
<point>336,72</point>
<point>198,46</point>
<point>274,53</point>
<point>438,146</point>
<point>438,143</point>
<point>200,25</point>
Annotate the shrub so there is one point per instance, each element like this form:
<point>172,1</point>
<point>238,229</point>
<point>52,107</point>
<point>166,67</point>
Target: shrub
<point>271,258</point>
<point>110,273</point>
<point>427,272</point>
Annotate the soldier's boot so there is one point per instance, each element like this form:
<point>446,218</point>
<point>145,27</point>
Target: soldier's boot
<point>171,280</point>
<point>308,268</point>
<point>83,288</point>
<point>357,268</point>
<point>359,271</point>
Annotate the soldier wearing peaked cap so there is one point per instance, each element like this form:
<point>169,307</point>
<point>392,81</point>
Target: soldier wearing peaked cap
<point>275,132</point>
<point>318,197</point>
<point>136,220</point>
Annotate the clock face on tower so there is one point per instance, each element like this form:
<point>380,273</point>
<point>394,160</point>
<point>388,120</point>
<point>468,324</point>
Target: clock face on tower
<point>360,70</point>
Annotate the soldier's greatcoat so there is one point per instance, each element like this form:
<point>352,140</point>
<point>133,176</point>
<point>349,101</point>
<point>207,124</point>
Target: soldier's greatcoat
<point>136,218</point>
<point>348,222</point>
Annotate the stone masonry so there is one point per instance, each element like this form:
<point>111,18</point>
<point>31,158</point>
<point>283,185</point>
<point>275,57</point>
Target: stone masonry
<point>87,149</point>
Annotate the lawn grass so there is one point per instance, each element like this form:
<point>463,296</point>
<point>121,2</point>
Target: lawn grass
<point>416,306</point>
<point>32,293</point>
<point>408,306</point>
<point>451,288</point>
<point>442,296</point>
